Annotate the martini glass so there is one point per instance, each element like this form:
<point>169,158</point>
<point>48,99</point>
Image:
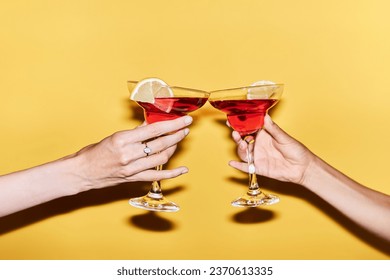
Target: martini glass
<point>170,102</point>
<point>246,108</point>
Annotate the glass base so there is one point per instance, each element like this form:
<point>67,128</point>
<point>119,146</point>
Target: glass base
<point>248,200</point>
<point>154,202</point>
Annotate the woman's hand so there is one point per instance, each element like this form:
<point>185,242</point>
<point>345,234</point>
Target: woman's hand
<point>276,154</point>
<point>121,158</point>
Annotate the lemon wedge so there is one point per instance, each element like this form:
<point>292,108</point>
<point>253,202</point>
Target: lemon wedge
<point>155,91</point>
<point>261,92</point>
<point>147,89</point>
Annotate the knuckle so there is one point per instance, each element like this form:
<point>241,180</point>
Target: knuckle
<point>117,139</point>
<point>124,159</point>
<point>153,130</point>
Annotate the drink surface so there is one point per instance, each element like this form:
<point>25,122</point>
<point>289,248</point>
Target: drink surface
<point>245,116</point>
<point>169,108</point>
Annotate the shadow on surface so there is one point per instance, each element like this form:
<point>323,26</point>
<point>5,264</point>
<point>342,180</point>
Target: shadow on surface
<point>71,203</point>
<point>290,189</point>
<point>253,215</point>
<point>151,221</point>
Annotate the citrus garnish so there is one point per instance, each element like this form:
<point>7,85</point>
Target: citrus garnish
<point>146,90</point>
<point>155,91</point>
<point>256,91</point>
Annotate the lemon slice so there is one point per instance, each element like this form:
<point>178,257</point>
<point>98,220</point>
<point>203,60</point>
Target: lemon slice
<point>261,92</point>
<point>162,99</point>
<point>147,89</point>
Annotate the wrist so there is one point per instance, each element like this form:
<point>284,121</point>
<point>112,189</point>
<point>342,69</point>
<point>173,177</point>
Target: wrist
<point>314,169</point>
<point>73,168</point>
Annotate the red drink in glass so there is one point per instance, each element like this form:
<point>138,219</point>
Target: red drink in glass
<point>163,103</point>
<point>246,108</point>
<point>169,108</point>
<point>245,116</point>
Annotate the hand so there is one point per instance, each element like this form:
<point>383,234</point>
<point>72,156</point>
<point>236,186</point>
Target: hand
<point>276,154</point>
<point>120,157</point>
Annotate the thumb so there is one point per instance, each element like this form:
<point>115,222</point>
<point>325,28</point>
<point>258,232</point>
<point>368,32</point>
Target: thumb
<point>275,131</point>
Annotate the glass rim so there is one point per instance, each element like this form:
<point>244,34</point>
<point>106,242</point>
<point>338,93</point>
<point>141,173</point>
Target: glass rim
<point>246,87</point>
<point>177,87</point>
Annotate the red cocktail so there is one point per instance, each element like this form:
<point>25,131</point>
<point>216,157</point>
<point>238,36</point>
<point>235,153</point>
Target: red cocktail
<point>245,116</point>
<point>169,108</point>
<point>246,108</point>
<point>161,103</point>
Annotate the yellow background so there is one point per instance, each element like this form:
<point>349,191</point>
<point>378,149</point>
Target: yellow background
<point>63,72</point>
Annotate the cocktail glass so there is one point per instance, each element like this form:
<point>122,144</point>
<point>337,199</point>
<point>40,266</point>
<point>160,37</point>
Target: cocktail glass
<point>170,102</point>
<point>246,108</point>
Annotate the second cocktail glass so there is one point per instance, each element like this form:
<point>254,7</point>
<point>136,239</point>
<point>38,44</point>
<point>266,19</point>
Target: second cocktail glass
<point>169,102</point>
<point>246,108</point>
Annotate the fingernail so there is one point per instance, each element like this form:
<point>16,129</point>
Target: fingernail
<point>186,131</point>
<point>184,171</point>
<point>188,120</point>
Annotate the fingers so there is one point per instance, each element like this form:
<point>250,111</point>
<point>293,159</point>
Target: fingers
<point>228,123</point>
<point>241,144</point>
<point>236,137</point>
<point>142,169</point>
<point>149,162</point>
<point>158,145</point>
<point>239,165</point>
<point>143,124</point>
<point>275,131</point>
<point>165,142</point>
<point>154,130</point>
<point>154,175</point>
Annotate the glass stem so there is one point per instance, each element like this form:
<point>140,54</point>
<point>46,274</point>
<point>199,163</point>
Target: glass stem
<point>254,188</point>
<point>155,191</point>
